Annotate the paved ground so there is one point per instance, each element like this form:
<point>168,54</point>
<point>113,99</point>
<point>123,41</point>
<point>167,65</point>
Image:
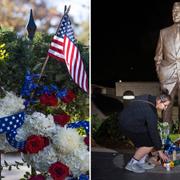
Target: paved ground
<point>107,164</point>
<point>14,174</point>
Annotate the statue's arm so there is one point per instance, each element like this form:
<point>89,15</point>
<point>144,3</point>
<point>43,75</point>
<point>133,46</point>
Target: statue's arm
<point>159,53</point>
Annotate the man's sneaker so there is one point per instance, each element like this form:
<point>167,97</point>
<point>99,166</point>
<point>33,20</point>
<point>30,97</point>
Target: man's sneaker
<point>134,168</point>
<point>147,165</point>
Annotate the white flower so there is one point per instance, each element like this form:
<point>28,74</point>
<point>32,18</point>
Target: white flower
<point>38,123</point>
<point>66,140</point>
<point>78,161</point>
<point>21,134</point>
<point>11,104</point>
<point>43,159</point>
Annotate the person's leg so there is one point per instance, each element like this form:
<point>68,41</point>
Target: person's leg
<point>143,159</point>
<point>145,146</point>
<point>141,152</point>
<point>135,164</point>
<point>167,115</point>
<point>142,162</point>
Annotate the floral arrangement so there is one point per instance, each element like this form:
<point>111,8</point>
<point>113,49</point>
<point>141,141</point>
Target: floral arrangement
<point>50,140</point>
<point>51,148</point>
<point>164,131</point>
<point>11,117</point>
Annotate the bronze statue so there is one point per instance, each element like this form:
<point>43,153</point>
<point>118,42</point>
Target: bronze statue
<point>167,60</point>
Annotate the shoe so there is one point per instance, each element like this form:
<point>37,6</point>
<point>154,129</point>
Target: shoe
<point>135,168</point>
<point>147,165</point>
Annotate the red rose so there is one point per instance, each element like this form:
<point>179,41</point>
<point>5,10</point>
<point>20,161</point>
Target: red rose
<point>61,119</point>
<point>53,101</point>
<point>48,100</point>
<point>58,171</point>
<point>44,99</point>
<point>69,97</point>
<point>46,141</point>
<point>86,140</point>
<point>37,177</point>
<point>34,144</point>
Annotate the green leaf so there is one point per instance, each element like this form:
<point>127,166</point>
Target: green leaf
<point>26,176</point>
<point>21,164</point>
<point>10,167</point>
<point>28,173</point>
<point>5,163</point>
<point>37,66</point>
<point>23,160</point>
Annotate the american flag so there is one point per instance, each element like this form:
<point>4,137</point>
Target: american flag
<point>63,47</point>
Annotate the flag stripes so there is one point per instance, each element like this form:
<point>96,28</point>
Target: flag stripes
<point>63,47</point>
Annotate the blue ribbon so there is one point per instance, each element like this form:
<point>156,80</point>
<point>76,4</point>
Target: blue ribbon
<point>78,124</point>
<point>9,125</point>
<point>83,177</point>
<point>11,138</point>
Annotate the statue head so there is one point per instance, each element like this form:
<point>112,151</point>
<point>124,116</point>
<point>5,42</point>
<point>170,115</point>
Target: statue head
<point>176,12</point>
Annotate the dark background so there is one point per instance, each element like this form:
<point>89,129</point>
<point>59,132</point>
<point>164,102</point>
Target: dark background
<point>124,36</point>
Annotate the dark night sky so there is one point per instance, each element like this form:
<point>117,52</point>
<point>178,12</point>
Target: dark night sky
<point>123,47</point>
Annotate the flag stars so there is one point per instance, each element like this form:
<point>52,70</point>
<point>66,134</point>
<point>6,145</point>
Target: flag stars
<point>9,126</point>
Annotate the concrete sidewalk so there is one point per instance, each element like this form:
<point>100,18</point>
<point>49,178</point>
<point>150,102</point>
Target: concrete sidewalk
<point>108,164</point>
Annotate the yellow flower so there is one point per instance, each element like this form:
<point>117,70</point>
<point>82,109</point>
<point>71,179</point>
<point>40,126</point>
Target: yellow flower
<point>3,53</point>
<point>171,164</point>
<point>2,45</point>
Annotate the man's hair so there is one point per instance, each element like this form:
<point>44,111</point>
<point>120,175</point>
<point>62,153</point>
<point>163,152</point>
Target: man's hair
<point>164,96</point>
<point>176,4</point>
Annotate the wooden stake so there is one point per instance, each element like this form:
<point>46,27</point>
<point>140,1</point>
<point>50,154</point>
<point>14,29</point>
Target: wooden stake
<point>66,11</point>
<point>43,68</point>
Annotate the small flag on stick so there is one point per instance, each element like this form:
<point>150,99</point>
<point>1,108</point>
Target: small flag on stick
<point>64,48</point>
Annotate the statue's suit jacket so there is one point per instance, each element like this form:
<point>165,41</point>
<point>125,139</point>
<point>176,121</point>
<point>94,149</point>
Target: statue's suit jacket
<point>167,58</point>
